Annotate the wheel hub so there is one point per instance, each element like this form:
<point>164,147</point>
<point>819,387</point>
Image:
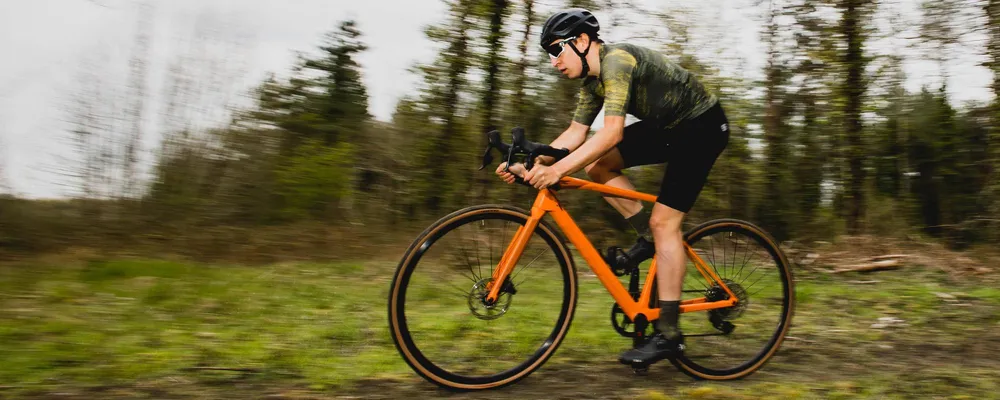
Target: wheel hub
<point>481,308</point>
<point>717,293</point>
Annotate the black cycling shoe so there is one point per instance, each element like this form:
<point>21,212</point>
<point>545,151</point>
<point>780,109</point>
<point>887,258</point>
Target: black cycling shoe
<point>655,349</point>
<point>641,251</point>
<point>623,262</point>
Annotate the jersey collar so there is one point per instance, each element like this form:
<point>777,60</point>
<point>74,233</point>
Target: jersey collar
<point>600,59</point>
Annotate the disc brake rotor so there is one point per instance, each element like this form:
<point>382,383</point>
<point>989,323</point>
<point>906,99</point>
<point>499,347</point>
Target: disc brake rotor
<point>478,305</point>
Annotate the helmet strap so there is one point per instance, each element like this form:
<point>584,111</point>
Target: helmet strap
<point>583,58</point>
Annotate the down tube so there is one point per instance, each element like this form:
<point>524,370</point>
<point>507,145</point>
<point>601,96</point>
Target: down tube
<point>597,264</point>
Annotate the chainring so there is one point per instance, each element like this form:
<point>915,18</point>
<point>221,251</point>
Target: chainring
<point>625,326</point>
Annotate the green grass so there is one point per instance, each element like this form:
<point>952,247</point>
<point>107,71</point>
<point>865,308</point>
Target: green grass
<point>132,328</point>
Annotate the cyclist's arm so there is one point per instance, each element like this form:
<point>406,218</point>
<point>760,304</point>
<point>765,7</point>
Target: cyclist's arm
<point>604,140</point>
<point>617,77</point>
<point>570,139</point>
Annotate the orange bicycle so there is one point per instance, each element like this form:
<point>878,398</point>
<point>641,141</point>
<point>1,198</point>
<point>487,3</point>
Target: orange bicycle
<point>484,296</point>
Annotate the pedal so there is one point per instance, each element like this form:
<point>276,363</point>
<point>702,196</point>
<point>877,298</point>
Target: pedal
<point>617,259</point>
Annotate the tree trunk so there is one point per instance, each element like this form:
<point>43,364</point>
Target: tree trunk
<point>993,60</point>
<point>493,61</point>
<point>854,89</point>
<point>458,64</point>
<point>776,206</point>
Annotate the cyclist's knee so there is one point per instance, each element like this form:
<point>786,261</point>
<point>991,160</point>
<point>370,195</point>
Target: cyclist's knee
<point>666,220</point>
<point>603,169</point>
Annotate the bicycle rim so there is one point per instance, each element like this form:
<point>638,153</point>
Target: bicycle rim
<point>733,342</point>
<point>439,322</point>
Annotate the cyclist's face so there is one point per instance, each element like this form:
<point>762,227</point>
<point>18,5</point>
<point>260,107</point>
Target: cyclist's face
<point>568,63</point>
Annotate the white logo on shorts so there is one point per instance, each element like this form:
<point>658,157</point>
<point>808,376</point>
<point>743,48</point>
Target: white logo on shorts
<point>725,127</point>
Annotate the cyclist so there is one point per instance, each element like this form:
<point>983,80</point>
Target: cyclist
<point>681,123</point>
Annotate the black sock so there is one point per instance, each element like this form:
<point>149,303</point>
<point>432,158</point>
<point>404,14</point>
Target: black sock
<point>640,222</point>
<point>667,323</point>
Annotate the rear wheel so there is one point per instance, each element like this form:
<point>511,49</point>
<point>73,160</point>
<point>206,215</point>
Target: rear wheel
<point>439,320</point>
<point>733,342</point>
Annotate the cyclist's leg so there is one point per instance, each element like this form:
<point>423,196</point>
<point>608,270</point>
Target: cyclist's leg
<point>670,258</point>
<point>634,149</point>
<point>696,146</point>
<point>608,170</point>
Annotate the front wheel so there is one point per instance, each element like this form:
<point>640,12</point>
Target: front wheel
<point>733,342</point>
<point>439,320</point>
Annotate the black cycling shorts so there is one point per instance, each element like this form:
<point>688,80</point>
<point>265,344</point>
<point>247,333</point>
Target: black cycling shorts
<point>690,149</point>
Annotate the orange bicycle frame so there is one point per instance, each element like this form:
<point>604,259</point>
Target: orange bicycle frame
<point>546,203</point>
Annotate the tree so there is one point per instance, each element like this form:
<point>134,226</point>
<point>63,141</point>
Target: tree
<point>776,207</point>
<point>343,104</point>
<point>852,21</point>
<point>993,52</point>
<point>521,72</point>
<point>447,81</point>
<point>497,12</point>
<point>136,100</point>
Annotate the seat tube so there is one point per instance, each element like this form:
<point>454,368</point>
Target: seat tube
<point>517,244</point>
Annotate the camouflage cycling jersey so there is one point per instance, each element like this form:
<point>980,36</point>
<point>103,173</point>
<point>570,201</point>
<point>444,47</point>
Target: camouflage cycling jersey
<point>641,82</point>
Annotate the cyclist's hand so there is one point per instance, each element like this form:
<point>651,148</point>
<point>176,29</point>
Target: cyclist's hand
<point>516,169</point>
<point>542,176</point>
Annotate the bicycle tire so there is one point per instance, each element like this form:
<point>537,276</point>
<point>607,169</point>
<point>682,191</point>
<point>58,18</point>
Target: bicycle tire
<point>700,369</point>
<point>415,352</point>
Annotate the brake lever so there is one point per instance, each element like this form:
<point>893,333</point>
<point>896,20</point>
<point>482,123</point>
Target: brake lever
<point>487,157</point>
<point>493,142</point>
<point>510,157</point>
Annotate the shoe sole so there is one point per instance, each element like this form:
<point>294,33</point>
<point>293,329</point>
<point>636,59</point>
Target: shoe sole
<point>656,358</point>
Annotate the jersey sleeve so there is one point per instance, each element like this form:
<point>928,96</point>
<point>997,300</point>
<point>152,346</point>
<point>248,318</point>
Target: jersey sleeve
<point>616,74</point>
<point>588,105</point>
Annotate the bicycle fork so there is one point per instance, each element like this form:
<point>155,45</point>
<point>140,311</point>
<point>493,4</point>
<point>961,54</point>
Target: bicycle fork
<point>515,249</point>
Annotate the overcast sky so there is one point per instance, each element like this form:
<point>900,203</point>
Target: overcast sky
<point>44,42</point>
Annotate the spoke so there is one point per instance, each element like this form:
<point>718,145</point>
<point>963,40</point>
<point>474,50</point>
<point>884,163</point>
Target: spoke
<point>712,242</point>
<point>458,292</point>
<point>758,291</point>
<point>526,267</point>
<point>475,239</point>
<point>468,261</point>
<point>725,258</point>
<point>489,245</point>
<point>697,277</point>
<point>713,257</point>
<point>746,256</point>
<point>736,245</point>
<point>755,268</point>
<point>471,278</point>
<point>747,288</point>
<point>701,281</point>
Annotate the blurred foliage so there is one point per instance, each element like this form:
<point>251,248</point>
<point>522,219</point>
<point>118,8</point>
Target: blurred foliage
<point>827,142</point>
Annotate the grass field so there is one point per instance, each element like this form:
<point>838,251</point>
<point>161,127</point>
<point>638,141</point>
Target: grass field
<point>159,329</point>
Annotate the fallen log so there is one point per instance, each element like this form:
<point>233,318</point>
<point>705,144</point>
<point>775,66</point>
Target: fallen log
<point>888,256</point>
<point>868,267</point>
